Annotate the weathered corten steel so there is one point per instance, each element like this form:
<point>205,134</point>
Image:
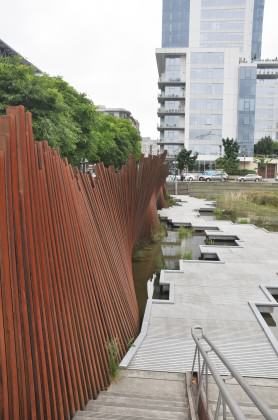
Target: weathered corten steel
<point>66,286</point>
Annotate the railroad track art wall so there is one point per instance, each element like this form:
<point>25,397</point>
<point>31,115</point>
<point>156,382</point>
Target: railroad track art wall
<point>66,286</point>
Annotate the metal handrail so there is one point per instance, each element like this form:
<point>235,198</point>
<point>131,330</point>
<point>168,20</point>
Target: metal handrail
<point>224,392</point>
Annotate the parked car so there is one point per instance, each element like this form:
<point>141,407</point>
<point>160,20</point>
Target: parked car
<point>173,178</point>
<point>190,177</point>
<point>213,176</point>
<point>250,177</point>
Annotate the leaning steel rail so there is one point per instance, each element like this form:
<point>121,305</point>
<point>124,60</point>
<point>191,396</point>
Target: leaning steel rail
<point>225,398</point>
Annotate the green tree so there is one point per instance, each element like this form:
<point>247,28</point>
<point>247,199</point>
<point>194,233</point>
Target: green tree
<point>65,118</point>
<point>186,160</point>
<point>229,162</point>
<point>264,147</point>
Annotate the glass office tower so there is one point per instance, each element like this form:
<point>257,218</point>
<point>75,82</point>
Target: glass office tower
<point>209,50</point>
<point>175,23</point>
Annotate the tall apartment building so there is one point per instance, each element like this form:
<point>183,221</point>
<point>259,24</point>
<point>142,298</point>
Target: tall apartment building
<point>210,75</point>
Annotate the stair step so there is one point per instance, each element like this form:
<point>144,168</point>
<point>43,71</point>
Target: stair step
<point>128,401</point>
<point>146,374</point>
<point>83,415</point>
<point>156,388</point>
<point>135,403</point>
<point>181,400</point>
<point>133,412</point>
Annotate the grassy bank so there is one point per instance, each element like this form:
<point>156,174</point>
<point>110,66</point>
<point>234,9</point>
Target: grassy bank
<point>259,208</point>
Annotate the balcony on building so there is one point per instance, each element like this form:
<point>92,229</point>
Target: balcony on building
<point>162,97</point>
<point>267,73</point>
<point>164,142</point>
<point>167,126</point>
<point>173,111</point>
<point>168,81</point>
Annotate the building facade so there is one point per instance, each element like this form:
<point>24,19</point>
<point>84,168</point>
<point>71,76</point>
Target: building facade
<point>149,147</point>
<point>120,113</point>
<point>209,67</point>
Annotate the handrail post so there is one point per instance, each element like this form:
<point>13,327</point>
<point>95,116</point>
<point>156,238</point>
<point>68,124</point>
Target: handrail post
<point>224,393</point>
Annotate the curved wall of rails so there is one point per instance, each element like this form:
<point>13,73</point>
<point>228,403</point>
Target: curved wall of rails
<point>66,285</point>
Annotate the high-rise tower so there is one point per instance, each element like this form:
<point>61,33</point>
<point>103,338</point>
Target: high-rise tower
<point>207,73</point>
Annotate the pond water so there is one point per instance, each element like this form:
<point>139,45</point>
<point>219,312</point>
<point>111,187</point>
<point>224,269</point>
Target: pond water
<point>178,243</point>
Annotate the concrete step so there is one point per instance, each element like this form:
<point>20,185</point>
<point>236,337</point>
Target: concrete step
<point>158,385</point>
<point>133,401</point>
<point>141,396</point>
<point>136,403</point>
<point>83,415</point>
<point>111,411</point>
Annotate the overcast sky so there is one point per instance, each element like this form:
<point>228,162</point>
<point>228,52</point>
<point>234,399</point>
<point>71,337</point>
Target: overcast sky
<point>104,48</point>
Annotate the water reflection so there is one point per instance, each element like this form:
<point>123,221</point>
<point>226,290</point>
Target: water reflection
<point>180,243</point>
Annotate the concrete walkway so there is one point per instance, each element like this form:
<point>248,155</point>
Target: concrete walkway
<point>220,296</point>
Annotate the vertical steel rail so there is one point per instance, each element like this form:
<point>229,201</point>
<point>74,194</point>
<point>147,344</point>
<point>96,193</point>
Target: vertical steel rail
<point>66,285</point>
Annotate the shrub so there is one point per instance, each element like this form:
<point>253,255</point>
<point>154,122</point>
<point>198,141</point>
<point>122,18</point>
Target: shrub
<point>113,357</point>
<point>187,255</point>
<point>185,232</point>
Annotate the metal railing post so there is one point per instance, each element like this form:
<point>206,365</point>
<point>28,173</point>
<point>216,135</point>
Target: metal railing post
<point>224,394</point>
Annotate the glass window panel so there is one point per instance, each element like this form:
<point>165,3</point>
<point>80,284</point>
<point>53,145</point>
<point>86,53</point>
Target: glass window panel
<point>171,105</point>
<point>174,91</point>
<point>206,105</point>
<point>205,134</point>
<point>172,150</point>
<point>207,26</point>
<point>207,74</point>
<point>197,120</point>
<point>223,3</point>
<point>215,14</point>
<point>207,58</point>
<point>171,135</point>
<point>207,89</point>
<point>221,36</point>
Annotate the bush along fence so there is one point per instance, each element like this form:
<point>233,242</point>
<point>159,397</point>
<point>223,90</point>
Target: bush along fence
<point>66,286</point>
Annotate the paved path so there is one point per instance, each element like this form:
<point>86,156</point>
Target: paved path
<point>218,295</point>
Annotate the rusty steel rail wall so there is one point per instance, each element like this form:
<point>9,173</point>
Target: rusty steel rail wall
<point>66,285</point>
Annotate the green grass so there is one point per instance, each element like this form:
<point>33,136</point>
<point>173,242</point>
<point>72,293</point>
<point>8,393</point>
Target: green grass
<point>187,255</point>
<point>158,233</point>
<point>113,357</point>
<point>259,208</point>
<point>169,201</point>
<point>185,232</point>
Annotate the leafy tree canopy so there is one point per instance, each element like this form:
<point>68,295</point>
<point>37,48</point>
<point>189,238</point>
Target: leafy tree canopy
<point>65,118</point>
<point>266,146</point>
<point>229,162</point>
<point>186,160</point>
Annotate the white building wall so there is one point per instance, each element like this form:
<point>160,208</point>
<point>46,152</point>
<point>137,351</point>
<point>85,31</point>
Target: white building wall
<point>195,24</point>
<point>248,33</point>
<point>230,97</point>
